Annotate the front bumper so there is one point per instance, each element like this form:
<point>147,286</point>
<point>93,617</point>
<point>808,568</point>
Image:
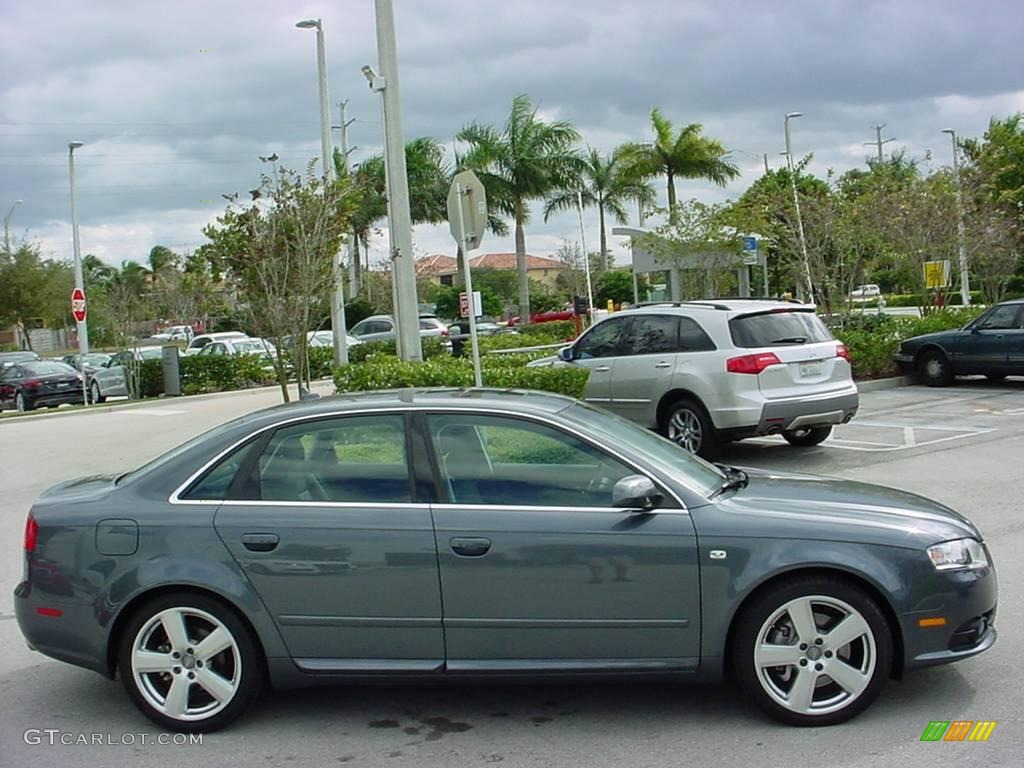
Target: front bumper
<point>798,413</point>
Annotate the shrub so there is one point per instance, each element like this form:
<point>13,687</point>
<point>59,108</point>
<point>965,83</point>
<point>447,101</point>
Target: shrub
<point>556,330</point>
<point>432,346</point>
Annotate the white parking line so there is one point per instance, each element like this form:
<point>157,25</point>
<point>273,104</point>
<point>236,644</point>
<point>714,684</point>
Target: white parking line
<point>905,437</point>
<point>151,412</point>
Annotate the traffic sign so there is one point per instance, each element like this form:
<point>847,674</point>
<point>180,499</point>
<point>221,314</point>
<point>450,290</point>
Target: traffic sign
<point>750,251</point>
<point>936,274</point>
<point>78,305</point>
<point>464,304</point>
<point>467,190</point>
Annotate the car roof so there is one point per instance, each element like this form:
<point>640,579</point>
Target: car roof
<point>223,335</point>
<point>733,306</point>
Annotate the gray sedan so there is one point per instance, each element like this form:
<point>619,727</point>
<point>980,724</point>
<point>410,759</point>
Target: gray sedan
<point>429,534</point>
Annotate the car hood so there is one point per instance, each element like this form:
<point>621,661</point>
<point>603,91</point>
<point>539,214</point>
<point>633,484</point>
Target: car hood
<point>807,506</point>
<point>938,336</point>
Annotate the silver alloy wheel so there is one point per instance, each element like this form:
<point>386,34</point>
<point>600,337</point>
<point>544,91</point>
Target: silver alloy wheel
<point>94,392</point>
<point>19,402</point>
<point>815,655</point>
<point>186,664</point>
<point>685,430</point>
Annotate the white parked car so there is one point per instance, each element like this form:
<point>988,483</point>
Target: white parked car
<point>175,333</point>
<point>326,339</point>
<point>203,339</point>
<point>866,292</point>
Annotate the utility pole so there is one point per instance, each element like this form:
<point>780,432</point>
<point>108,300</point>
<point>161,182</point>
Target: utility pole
<point>766,170</point>
<point>796,202</point>
<point>398,191</point>
<point>879,141</point>
<point>353,249</point>
<point>965,281</point>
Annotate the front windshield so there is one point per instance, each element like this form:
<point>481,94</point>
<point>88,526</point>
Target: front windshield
<point>154,353</point>
<point>689,469</point>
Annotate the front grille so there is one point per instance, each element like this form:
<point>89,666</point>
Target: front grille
<point>969,634</point>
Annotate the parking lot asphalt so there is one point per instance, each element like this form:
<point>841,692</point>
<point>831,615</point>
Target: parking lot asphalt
<point>963,446</point>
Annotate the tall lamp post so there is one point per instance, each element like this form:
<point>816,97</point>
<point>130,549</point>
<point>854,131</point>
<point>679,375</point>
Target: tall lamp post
<point>339,332</point>
<point>83,326</point>
<point>7,222</point>
<point>965,281</point>
<point>809,285</point>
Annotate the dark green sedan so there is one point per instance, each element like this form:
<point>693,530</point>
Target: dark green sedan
<point>991,345</point>
<point>441,534</point>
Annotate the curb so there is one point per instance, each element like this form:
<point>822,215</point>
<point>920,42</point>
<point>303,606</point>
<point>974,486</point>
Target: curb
<point>875,385</point>
<point>158,401</point>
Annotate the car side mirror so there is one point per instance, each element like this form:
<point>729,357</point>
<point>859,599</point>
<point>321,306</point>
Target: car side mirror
<point>566,354</point>
<point>636,492</point>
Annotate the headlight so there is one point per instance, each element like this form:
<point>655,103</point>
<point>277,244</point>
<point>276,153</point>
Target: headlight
<point>957,555</point>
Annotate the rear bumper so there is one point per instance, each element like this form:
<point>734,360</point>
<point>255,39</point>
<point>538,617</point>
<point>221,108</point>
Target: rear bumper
<point>819,411</point>
<point>74,636</point>
<point>58,398</point>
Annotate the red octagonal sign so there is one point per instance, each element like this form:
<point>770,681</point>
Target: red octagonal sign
<point>78,305</point>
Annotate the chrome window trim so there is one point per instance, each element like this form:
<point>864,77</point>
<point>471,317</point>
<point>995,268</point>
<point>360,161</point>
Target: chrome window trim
<point>175,499</point>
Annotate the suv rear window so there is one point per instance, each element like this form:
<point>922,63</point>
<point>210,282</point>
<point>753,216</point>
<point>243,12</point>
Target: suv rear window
<point>772,329</point>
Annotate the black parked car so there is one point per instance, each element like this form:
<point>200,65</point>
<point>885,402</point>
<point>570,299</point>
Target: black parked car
<point>25,386</point>
<point>992,345</point>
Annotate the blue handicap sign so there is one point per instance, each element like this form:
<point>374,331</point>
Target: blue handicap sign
<point>749,243</point>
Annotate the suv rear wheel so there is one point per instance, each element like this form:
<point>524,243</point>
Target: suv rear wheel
<point>686,423</point>
<point>806,436</point>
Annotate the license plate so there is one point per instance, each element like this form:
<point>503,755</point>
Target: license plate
<point>64,385</point>
<point>810,369</point>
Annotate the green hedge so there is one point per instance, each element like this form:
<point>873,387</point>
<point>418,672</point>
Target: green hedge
<point>207,373</point>
<point>558,330</point>
<point>506,371</point>
<point>873,340</point>
<point>431,346</point>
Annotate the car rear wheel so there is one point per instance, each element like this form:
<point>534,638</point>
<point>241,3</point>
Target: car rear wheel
<point>22,404</point>
<point>94,394</point>
<point>807,436</point>
<point>686,423</point>
<point>189,663</point>
<point>813,651</point>
<point>935,369</point>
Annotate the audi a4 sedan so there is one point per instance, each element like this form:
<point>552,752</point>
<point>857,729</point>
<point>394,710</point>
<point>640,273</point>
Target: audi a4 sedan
<point>437,534</point>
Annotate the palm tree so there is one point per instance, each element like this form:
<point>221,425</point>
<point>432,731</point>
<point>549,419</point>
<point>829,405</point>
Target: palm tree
<point>608,182</point>
<point>528,159</point>
<point>687,154</point>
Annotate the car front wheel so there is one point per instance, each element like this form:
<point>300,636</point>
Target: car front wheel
<point>807,436</point>
<point>189,663</point>
<point>688,426</point>
<point>813,651</point>
<point>935,369</point>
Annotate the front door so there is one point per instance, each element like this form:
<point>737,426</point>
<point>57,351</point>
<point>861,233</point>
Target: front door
<point>986,347</point>
<point>596,350</point>
<point>539,571</point>
<point>325,524</point>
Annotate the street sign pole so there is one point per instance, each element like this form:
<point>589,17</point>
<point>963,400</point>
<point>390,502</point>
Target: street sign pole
<point>461,225</point>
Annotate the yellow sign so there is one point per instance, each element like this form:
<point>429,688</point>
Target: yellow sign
<point>936,274</point>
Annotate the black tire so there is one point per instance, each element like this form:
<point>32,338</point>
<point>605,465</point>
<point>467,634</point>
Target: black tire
<point>94,394</point>
<point>934,369</point>
<point>239,666</point>
<point>866,660</point>
<point>22,403</point>
<point>807,436</point>
<point>687,424</point>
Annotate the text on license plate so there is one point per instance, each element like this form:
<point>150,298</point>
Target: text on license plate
<point>810,369</point>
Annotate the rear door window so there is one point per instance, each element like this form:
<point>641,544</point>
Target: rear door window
<point>772,329</point>
<point>652,335</point>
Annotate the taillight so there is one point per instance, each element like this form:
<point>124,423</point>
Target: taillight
<point>843,352</point>
<point>751,363</point>
<point>32,383</point>
<point>31,532</point>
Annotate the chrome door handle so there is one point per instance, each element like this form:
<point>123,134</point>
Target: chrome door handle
<point>602,369</point>
<point>663,365</point>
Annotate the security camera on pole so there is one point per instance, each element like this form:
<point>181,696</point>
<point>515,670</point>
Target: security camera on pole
<point>467,215</point>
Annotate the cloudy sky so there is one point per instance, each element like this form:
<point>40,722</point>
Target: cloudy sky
<point>176,102</point>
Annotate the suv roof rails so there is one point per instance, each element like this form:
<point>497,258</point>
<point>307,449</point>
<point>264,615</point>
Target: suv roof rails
<point>698,303</point>
<point>757,298</point>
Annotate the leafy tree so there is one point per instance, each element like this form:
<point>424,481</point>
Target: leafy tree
<point>32,288</point>
<point>528,159</point>
<point>998,159</point>
<point>609,182</point>
<point>448,301</point>
<point>617,285</point>
<point>686,154</point>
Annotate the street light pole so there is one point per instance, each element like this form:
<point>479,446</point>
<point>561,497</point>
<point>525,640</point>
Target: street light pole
<point>338,330</point>
<point>965,281</point>
<point>353,250</point>
<point>83,327</point>
<point>407,320</point>
<point>809,285</point>
<point>7,221</point>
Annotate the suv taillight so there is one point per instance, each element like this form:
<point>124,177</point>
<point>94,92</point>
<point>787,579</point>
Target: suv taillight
<point>843,352</point>
<point>31,532</point>
<point>751,363</point>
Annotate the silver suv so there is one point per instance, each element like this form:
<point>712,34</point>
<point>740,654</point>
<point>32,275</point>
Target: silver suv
<point>382,328</point>
<point>704,373</point>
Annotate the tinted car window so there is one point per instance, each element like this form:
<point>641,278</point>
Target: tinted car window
<point>652,334</point>
<point>777,328</point>
<point>1000,319</point>
<point>502,461</point>
<point>602,340</point>
<point>47,369</point>
<point>361,458</point>
<point>215,484</point>
<point>692,337</point>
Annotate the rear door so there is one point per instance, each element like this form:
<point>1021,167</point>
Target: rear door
<point>597,351</point>
<point>800,341</point>
<point>643,373</point>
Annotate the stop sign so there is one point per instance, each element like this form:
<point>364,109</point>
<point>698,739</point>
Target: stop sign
<point>78,305</point>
